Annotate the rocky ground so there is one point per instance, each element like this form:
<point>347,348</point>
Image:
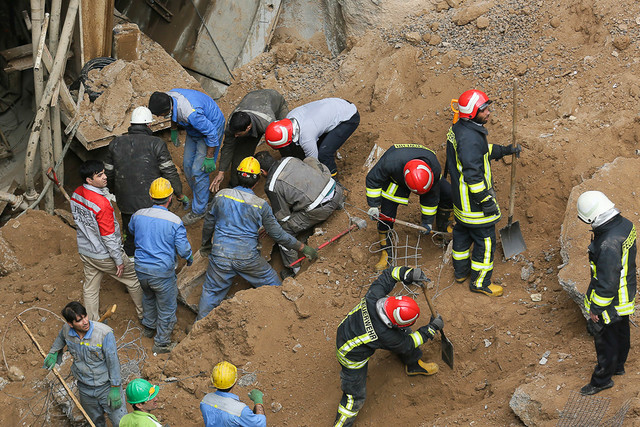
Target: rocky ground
<point>578,86</point>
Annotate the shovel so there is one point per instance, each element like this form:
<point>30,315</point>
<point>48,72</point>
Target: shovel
<point>511,235</point>
<point>356,223</point>
<point>447,347</point>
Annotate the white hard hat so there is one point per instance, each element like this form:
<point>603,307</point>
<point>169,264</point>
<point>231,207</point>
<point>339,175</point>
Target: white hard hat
<point>591,204</point>
<point>141,116</point>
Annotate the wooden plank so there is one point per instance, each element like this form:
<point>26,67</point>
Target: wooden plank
<point>17,52</point>
<point>97,28</point>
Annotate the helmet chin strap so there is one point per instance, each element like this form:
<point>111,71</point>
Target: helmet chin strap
<point>381,314</point>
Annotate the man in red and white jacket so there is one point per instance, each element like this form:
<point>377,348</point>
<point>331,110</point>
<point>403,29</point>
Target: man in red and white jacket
<point>99,239</point>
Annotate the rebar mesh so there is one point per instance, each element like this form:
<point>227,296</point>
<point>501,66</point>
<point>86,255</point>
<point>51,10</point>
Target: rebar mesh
<point>583,411</point>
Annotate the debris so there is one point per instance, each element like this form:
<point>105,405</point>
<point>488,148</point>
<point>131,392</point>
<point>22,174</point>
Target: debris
<point>248,379</point>
<point>296,347</point>
<point>15,374</point>
<point>536,297</point>
<point>545,358</point>
<point>276,407</point>
<point>487,343</point>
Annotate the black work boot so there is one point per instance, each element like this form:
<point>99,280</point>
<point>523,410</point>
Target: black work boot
<point>590,389</point>
<point>444,220</point>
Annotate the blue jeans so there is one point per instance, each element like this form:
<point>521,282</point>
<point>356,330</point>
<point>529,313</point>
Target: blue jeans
<point>220,273</point>
<point>195,150</point>
<point>160,302</point>
<point>94,402</point>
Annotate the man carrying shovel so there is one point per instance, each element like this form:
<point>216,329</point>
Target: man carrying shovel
<point>380,322</point>
<point>474,201</point>
<point>302,194</point>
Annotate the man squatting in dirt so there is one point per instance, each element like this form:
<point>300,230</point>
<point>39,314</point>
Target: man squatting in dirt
<point>380,322</point>
<point>99,240</point>
<point>302,194</point>
<point>236,215</point>
<point>95,364</point>
<point>610,298</point>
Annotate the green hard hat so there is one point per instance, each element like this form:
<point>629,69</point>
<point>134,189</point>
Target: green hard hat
<point>140,391</point>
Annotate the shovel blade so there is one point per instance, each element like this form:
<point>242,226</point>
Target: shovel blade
<point>447,350</point>
<point>512,240</point>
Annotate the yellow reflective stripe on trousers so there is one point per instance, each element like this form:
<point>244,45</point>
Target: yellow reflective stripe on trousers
<point>626,309</point>
<point>486,265</point>
<point>390,195</point>
<point>345,412</point>
<point>428,210</point>
<point>417,338</point>
<point>374,192</point>
<point>460,255</point>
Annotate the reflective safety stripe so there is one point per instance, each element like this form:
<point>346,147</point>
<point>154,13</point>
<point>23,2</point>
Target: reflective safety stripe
<point>324,193</point>
<point>374,192</point>
<point>395,273</point>
<point>598,300</point>
<point>480,266</point>
<point>89,345</point>
<point>469,217</point>
<point>428,210</point>
<point>346,412</point>
<point>369,336</point>
<point>417,338</point>
<point>390,195</point>
<point>626,309</point>
<point>238,200</point>
<point>476,188</point>
<point>277,173</point>
<point>594,273</point>
<point>460,255</point>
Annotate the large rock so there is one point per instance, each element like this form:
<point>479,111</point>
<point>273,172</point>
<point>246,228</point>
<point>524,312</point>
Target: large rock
<point>534,403</point>
<point>467,14</point>
<point>613,180</point>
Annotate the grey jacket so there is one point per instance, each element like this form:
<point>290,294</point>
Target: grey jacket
<point>296,186</point>
<point>263,107</point>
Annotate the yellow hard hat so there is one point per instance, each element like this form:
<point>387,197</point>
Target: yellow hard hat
<point>249,165</point>
<point>224,375</point>
<point>160,189</point>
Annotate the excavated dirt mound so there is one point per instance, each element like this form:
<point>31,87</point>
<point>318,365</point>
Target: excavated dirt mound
<point>578,67</point>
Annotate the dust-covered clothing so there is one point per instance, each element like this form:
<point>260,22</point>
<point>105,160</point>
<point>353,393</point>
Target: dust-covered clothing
<point>611,294</point>
<point>223,409</point>
<point>198,114</point>
<point>263,107</point>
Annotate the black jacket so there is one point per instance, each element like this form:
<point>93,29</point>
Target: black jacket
<point>468,161</point>
<point>133,161</point>
<point>386,178</point>
<point>612,256</point>
<point>362,332</point>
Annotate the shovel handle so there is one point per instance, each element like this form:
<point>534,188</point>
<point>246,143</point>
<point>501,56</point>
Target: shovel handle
<point>426,296</point>
<point>512,193</point>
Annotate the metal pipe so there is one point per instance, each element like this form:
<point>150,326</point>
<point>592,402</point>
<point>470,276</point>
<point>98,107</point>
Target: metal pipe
<point>56,127</point>
<point>17,202</point>
<point>54,77</point>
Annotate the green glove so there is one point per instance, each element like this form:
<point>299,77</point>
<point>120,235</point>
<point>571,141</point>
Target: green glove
<point>174,136</point>
<point>256,396</point>
<point>114,400</point>
<point>309,252</point>
<point>209,165</point>
<point>50,360</point>
<point>184,200</point>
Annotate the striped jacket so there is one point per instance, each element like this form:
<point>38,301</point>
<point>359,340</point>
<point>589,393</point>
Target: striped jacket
<point>612,256</point>
<point>98,232</point>
<point>362,332</point>
<point>468,161</point>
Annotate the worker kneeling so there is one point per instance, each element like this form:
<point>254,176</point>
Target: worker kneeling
<point>380,322</point>
<point>236,216</point>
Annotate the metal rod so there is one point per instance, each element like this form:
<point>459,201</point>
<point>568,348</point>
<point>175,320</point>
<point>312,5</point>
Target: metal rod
<point>512,194</point>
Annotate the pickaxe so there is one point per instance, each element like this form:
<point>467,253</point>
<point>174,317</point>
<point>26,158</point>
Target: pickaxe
<point>108,313</point>
<point>51,174</point>
<point>444,234</point>
<point>356,223</point>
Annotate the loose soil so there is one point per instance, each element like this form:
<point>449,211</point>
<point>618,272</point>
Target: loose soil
<point>578,65</point>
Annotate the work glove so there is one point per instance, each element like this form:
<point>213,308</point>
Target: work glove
<point>436,323</point>
<point>50,361</point>
<point>184,200</point>
<point>489,207</point>
<point>516,149</point>
<point>256,396</point>
<point>427,228</point>
<point>190,260</point>
<point>427,332</point>
<point>309,252</point>
<point>414,275</point>
<point>174,137</point>
<point>373,213</point>
<point>114,400</point>
<point>209,165</point>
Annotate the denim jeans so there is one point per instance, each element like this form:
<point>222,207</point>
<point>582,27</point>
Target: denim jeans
<point>160,302</point>
<point>220,273</point>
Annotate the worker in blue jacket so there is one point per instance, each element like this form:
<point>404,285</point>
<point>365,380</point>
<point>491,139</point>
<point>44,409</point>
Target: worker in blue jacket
<point>204,122</point>
<point>159,235</point>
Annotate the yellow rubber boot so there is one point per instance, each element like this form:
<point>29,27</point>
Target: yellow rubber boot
<point>421,368</point>
<point>384,256</point>
<point>491,290</point>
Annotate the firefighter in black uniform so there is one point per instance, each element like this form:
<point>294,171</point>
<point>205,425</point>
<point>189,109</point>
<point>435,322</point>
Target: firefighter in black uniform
<point>474,201</point>
<point>610,298</point>
<point>380,322</point>
<point>403,169</point>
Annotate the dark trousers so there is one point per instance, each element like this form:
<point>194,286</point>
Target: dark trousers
<point>612,348</point>
<point>479,262</point>
<point>129,241</point>
<point>329,143</point>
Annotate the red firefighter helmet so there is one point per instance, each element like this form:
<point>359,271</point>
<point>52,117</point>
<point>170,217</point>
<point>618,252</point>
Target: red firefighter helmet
<point>471,101</point>
<point>279,134</point>
<point>402,311</point>
<point>418,176</point>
